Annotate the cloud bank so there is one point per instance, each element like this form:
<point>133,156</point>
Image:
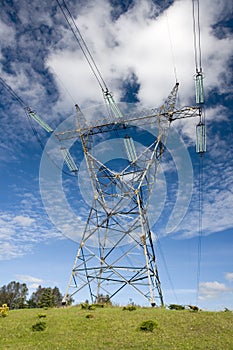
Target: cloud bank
<point>137,47</point>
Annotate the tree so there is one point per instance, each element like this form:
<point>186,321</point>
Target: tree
<point>103,299</point>
<point>57,296</point>
<point>35,298</point>
<point>14,295</point>
<point>45,297</point>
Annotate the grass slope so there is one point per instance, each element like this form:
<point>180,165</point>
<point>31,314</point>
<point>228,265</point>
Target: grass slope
<point>113,328</point>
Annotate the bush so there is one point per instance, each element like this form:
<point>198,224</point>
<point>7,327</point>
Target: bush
<point>148,326</point>
<point>86,306</point>
<point>103,299</point>
<point>39,326</point>
<point>226,310</point>
<point>4,310</point>
<point>129,308</point>
<point>41,315</point>
<point>193,308</point>
<point>98,305</point>
<point>176,307</point>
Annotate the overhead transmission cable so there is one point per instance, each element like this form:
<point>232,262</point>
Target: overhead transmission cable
<point>158,242</point>
<point>171,48</point>
<point>82,44</point>
<point>200,219</point>
<point>112,107</point>
<point>200,128</point>
<point>26,107</point>
<point>33,115</point>
<point>13,93</point>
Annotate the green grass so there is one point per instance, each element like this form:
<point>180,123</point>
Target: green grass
<point>113,328</point>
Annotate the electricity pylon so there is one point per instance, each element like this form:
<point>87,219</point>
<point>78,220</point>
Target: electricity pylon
<point>117,246</point>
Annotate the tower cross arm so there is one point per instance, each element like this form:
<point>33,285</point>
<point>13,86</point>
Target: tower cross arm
<point>167,111</point>
<point>170,115</point>
<point>185,112</point>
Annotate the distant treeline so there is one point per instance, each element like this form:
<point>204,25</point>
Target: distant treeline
<point>15,295</point>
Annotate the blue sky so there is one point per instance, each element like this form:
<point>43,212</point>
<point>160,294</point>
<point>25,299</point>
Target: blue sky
<point>137,46</point>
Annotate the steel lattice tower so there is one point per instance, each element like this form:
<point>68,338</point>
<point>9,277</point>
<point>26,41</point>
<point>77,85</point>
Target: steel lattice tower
<point>117,246</point>
<point>117,249</point>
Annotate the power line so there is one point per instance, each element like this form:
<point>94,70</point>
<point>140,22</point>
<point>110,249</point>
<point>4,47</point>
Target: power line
<point>30,114</point>
<point>83,46</point>
<point>172,49</point>
<point>199,34</point>
<point>13,93</point>
<point>42,147</point>
<point>200,128</point>
<point>200,219</point>
<point>166,268</point>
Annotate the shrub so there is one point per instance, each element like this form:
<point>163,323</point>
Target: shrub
<point>86,306</point>
<point>91,307</point>
<point>103,299</point>
<point>176,307</point>
<point>226,310</point>
<point>39,326</point>
<point>4,310</point>
<point>148,326</point>
<point>193,308</point>
<point>129,308</point>
<point>98,305</point>
<point>41,315</point>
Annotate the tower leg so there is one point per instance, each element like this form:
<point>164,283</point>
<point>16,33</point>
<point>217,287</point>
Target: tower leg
<point>112,255</point>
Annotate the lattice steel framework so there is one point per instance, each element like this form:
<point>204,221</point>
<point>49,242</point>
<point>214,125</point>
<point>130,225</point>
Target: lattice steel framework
<point>117,248</point>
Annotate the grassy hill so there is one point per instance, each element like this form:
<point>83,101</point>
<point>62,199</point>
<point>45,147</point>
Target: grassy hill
<point>112,328</point>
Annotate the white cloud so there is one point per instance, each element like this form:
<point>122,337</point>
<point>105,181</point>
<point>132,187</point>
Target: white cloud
<point>30,279</point>
<point>23,220</point>
<point>32,282</point>
<point>10,250</point>
<point>149,57</point>
<point>216,215</point>
<point>6,32</point>
<point>136,42</point>
<point>209,290</point>
<point>20,230</point>
<point>229,276</point>
<point>139,42</point>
